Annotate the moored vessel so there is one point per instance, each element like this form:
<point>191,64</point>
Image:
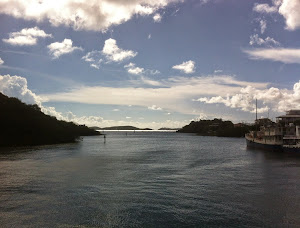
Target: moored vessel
<point>282,135</point>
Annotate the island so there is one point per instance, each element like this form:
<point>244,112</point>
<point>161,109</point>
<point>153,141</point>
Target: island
<point>26,125</point>
<point>168,129</point>
<point>122,128</point>
<point>216,127</point>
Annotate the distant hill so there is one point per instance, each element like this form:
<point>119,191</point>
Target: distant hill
<point>168,129</point>
<point>120,128</point>
<point>24,125</point>
<point>216,127</point>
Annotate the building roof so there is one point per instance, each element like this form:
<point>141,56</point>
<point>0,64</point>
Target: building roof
<point>289,116</point>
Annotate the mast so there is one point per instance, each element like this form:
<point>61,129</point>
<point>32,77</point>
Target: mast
<point>256,109</point>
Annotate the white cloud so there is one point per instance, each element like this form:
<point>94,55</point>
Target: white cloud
<point>186,67</point>
<point>84,14</point>
<point>57,49</point>
<point>238,101</point>
<point>1,61</point>
<point>133,69</point>
<point>255,39</point>
<point>290,10</point>
<point>265,8</point>
<point>27,36</point>
<point>153,72</point>
<point>95,66</point>
<point>202,116</point>
<point>16,86</point>
<point>149,36</point>
<point>94,58</point>
<point>173,95</point>
<point>263,26</point>
<point>128,117</point>
<point>157,17</point>
<point>147,81</point>
<point>284,55</point>
<point>278,99</point>
<point>136,70</point>
<point>277,2</point>
<point>218,71</point>
<point>155,108</point>
<point>175,12</point>
<point>114,53</point>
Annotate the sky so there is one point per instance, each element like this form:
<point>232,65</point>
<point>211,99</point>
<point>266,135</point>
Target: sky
<point>151,63</point>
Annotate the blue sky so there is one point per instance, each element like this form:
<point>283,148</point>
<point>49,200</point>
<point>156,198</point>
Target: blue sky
<point>152,63</point>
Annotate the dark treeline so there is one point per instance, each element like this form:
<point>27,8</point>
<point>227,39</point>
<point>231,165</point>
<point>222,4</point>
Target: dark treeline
<point>216,127</point>
<point>23,125</point>
<point>120,128</point>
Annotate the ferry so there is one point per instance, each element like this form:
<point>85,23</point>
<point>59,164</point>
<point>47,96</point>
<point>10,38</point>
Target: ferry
<point>284,135</point>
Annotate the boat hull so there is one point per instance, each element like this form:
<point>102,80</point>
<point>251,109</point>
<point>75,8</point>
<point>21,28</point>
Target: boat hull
<point>291,149</point>
<point>270,147</point>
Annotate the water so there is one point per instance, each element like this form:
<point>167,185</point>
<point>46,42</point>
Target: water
<point>149,179</point>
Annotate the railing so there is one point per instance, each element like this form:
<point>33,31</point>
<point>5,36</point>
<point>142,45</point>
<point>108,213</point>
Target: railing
<point>291,137</point>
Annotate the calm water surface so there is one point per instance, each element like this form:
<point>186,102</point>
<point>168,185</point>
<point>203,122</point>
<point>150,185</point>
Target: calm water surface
<point>149,179</point>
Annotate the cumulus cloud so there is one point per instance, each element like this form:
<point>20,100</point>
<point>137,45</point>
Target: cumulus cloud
<point>284,55</point>
<point>157,17</point>
<point>238,101</point>
<point>255,39</point>
<point>1,61</point>
<point>114,53</point>
<point>279,99</point>
<point>155,108</point>
<point>16,86</point>
<point>265,8</point>
<point>186,67</point>
<point>290,10</point>
<point>133,69</point>
<point>27,36</point>
<point>66,46</point>
<point>94,58</point>
<point>82,15</point>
